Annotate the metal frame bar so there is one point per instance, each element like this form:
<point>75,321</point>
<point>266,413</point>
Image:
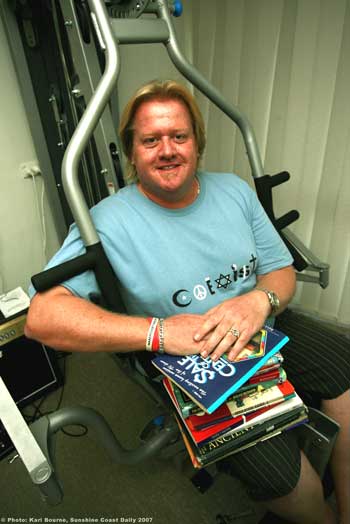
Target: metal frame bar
<point>33,458</point>
<point>100,98</point>
<point>198,80</point>
<point>86,127</point>
<point>140,31</point>
<point>89,72</point>
<point>161,30</point>
<point>315,264</point>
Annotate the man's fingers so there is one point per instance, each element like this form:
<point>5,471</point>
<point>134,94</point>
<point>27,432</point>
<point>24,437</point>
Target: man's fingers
<point>220,342</point>
<point>203,331</point>
<point>239,345</point>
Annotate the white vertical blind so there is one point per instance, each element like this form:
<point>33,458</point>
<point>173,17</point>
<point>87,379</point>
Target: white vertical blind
<point>286,65</point>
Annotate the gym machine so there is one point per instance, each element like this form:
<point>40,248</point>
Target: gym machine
<point>116,23</point>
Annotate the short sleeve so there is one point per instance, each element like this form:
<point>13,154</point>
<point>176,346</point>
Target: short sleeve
<point>83,285</point>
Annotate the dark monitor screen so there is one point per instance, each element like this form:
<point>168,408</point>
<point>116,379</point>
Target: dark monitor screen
<point>28,369</point>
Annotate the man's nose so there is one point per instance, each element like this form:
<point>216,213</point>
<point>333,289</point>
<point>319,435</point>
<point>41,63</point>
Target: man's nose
<point>167,147</point>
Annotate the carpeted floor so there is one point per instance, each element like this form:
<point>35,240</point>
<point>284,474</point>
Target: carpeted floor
<point>159,490</point>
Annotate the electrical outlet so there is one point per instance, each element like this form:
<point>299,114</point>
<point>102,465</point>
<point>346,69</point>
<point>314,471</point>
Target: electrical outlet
<point>29,169</point>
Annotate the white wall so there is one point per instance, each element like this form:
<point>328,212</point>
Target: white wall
<point>21,239</point>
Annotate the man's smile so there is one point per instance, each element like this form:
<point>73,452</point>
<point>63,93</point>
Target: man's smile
<point>168,167</point>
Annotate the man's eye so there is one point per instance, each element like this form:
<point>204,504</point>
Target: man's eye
<point>180,137</point>
<point>150,141</point>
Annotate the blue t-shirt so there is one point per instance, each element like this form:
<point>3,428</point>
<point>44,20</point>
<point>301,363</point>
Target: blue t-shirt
<point>186,260</point>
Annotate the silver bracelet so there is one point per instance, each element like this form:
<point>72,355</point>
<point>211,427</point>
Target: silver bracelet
<point>161,335</point>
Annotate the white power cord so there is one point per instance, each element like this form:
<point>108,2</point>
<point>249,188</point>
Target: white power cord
<point>34,173</point>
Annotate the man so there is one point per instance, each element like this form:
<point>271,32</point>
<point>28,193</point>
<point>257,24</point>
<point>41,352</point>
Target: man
<point>198,251</point>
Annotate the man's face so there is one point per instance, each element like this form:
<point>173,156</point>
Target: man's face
<point>164,150</point>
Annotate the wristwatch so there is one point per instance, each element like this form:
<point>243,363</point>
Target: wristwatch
<point>273,298</point>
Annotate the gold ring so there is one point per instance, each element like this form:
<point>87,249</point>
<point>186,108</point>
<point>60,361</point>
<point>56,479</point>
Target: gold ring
<point>235,332</point>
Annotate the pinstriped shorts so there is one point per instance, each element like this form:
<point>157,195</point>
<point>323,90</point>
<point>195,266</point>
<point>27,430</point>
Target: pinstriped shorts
<point>317,362</point>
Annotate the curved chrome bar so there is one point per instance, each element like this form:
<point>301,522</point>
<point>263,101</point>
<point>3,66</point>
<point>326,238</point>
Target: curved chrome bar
<point>86,127</point>
<point>93,420</point>
<point>44,430</point>
<point>212,93</point>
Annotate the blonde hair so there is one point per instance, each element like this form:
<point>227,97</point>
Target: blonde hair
<point>158,90</point>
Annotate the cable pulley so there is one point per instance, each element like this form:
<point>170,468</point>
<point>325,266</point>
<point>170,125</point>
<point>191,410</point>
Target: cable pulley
<point>126,8</point>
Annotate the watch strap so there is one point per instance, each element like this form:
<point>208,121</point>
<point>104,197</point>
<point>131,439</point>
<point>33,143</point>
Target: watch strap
<point>272,297</point>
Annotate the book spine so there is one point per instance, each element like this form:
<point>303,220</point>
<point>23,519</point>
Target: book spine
<point>259,405</point>
<point>205,461</point>
<point>236,439</point>
<point>247,410</point>
<point>194,459</point>
<point>222,441</point>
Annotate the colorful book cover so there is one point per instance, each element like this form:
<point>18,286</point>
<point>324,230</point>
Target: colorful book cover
<point>210,383</point>
<point>245,403</point>
<point>207,434</point>
<point>188,407</point>
<point>275,359</point>
<point>255,347</point>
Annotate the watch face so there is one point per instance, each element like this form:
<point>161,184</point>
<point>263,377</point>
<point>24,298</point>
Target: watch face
<point>274,300</point>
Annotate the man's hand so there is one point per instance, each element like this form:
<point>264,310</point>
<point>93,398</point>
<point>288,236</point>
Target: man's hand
<point>178,335</point>
<point>245,313</point>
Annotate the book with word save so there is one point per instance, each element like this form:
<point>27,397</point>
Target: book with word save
<point>209,383</point>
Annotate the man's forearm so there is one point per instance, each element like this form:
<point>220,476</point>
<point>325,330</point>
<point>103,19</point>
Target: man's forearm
<point>282,282</point>
<point>68,323</point>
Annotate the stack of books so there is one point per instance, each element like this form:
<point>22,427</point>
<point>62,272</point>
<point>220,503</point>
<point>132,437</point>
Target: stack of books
<point>224,407</point>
